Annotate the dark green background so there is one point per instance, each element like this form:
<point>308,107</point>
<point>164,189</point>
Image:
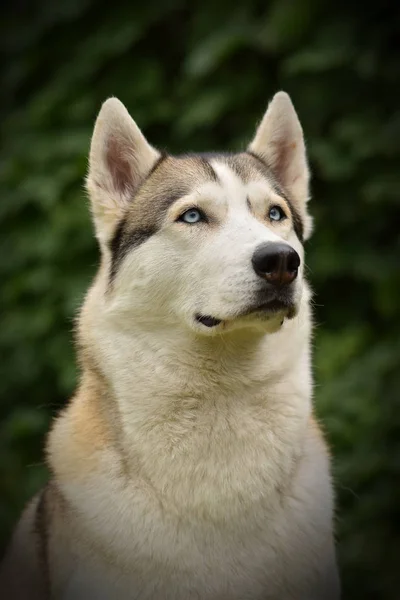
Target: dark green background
<point>197,77</point>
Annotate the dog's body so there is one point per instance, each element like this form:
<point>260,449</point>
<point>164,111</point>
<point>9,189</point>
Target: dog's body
<point>188,465</point>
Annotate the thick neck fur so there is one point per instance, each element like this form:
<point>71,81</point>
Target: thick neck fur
<point>202,420</point>
<point>154,366</point>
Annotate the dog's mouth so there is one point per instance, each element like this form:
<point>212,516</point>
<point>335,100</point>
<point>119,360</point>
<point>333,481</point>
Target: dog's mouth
<point>207,320</point>
<point>269,308</point>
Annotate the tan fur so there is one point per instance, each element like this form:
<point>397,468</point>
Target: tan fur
<point>188,464</point>
<point>85,433</point>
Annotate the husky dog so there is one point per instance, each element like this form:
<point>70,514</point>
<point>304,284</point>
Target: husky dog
<point>188,465</point>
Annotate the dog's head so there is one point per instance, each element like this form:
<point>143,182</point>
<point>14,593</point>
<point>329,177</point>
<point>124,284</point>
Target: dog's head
<point>211,241</point>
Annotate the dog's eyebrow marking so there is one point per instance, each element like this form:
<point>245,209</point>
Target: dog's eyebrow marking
<point>265,170</point>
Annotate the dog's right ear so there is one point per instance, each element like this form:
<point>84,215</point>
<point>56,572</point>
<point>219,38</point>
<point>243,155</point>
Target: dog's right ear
<point>120,158</point>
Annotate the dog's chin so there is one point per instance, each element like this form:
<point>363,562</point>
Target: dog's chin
<point>267,316</point>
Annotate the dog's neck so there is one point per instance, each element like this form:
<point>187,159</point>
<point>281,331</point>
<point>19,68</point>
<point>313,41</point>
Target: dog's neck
<point>149,369</point>
<point>184,412</point>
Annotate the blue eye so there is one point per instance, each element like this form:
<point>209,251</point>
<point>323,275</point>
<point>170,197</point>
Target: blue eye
<point>276,213</point>
<point>192,216</point>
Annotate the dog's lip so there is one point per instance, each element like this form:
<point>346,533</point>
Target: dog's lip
<point>273,306</point>
<point>208,320</point>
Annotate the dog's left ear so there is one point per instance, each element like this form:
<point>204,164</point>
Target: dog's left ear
<point>279,142</point>
<point>120,158</point>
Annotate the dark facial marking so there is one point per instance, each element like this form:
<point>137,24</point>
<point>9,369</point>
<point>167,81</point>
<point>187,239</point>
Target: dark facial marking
<point>122,242</point>
<point>267,171</point>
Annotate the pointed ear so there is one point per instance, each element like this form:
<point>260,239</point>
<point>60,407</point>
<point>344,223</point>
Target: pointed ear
<point>120,158</point>
<point>280,144</point>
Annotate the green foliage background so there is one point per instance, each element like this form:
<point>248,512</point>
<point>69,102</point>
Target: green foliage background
<point>198,76</point>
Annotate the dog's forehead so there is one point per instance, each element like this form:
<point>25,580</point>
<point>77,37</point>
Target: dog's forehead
<point>240,181</point>
<point>176,176</point>
<point>223,169</point>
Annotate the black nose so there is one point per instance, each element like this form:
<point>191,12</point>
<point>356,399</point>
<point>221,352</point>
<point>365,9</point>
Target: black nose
<point>277,263</point>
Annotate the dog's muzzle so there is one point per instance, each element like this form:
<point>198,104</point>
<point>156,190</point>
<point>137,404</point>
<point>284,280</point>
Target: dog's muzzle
<point>277,264</point>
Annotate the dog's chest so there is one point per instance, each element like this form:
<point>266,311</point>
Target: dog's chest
<point>268,551</point>
<point>205,564</point>
<point>223,547</point>
<point>205,522</point>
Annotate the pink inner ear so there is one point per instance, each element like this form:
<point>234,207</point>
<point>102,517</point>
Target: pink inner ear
<point>283,158</point>
<point>119,167</point>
